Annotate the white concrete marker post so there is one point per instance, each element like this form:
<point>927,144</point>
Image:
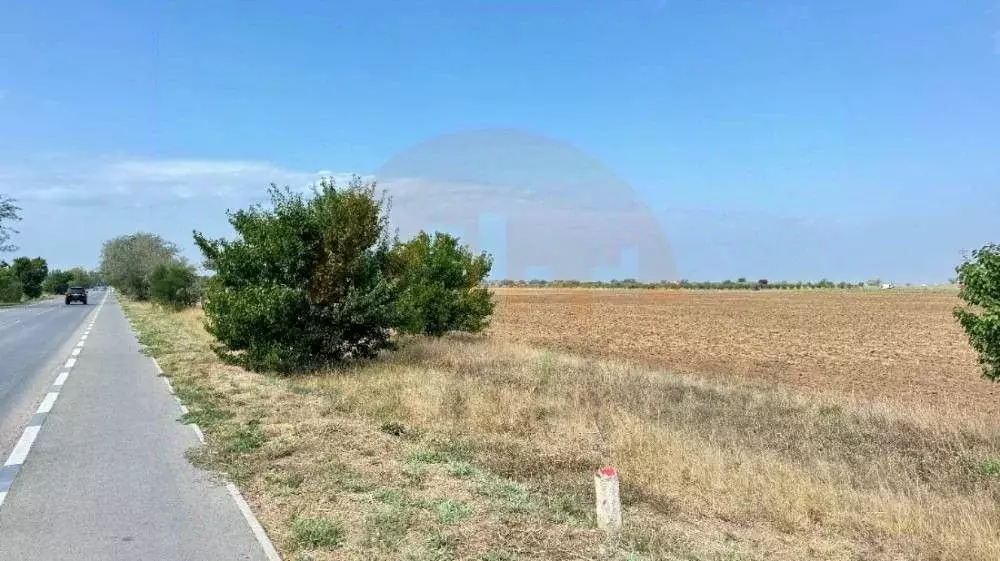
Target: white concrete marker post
<point>609,504</point>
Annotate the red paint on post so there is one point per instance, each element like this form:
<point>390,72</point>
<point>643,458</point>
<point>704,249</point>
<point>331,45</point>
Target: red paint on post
<point>607,471</point>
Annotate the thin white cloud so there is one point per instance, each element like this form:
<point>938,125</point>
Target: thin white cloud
<point>144,181</point>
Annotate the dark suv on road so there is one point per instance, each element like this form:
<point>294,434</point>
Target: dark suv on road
<point>76,294</point>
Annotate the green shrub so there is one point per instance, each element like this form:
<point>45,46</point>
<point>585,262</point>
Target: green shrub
<point>979,276</point>
<point>305,282</point>
<point>10,286</point>
<point>174,284</point>
<point>31,273</point>
<point>57,282</point>
<point>442,286</point>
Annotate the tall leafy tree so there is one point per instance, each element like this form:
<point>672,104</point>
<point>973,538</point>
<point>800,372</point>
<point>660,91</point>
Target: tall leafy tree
<point>128,262</point>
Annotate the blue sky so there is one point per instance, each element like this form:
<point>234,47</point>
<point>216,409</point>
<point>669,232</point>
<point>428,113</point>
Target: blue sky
<point>792,140</point>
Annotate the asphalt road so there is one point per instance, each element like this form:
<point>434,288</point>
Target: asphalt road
<point>31,338</point>
<point>106,477</point>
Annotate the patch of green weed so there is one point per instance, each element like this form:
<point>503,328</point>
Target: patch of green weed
<point>386,528</point>
<point>246,438</point>
<point>461,469</point>
<point>317,533</point>
<point>450,512</point>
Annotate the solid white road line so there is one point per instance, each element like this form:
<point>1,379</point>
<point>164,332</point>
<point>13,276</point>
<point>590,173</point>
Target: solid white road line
<point>22,447</point>
<point>258,530</point>
<point>48,402</point>
<point>241,503</point>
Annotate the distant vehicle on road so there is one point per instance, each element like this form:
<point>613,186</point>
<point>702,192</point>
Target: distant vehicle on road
<point>76,294</point>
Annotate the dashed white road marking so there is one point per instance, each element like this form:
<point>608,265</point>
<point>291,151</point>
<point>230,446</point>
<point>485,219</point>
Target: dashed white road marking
<point>23,446</point>
<point>48,402</point>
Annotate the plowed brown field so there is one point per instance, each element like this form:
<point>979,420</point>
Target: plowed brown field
<point>897,345</point>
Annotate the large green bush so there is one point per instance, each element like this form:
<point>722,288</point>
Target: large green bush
<point>31,273</point>
<point>10,286</point>
<point>305,282</point>
<point>979,276</point>
<point>441,286</point>
<point>174,284</point>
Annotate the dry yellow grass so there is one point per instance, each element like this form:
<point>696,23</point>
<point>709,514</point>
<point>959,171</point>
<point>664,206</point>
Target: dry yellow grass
<point>508,436</point>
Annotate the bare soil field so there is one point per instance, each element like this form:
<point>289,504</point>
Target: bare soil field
<point>895,345</point>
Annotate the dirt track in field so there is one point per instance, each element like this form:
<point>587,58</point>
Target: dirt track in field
<point>895,345</point>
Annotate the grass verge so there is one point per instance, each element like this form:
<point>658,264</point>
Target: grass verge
<point>465,448</point>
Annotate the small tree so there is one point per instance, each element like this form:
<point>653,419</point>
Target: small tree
<point>442,285</point>
<point>128,261</point>
<point>31,273</point>
<point>305,282</point>
<point>174,285</point>
<point>10,286</point>
<point>979,278</point>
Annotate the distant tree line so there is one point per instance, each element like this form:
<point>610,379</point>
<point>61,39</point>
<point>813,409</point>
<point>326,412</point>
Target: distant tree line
<point>58,281</point>
<point>30,277</point>
<point>738,284</point>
